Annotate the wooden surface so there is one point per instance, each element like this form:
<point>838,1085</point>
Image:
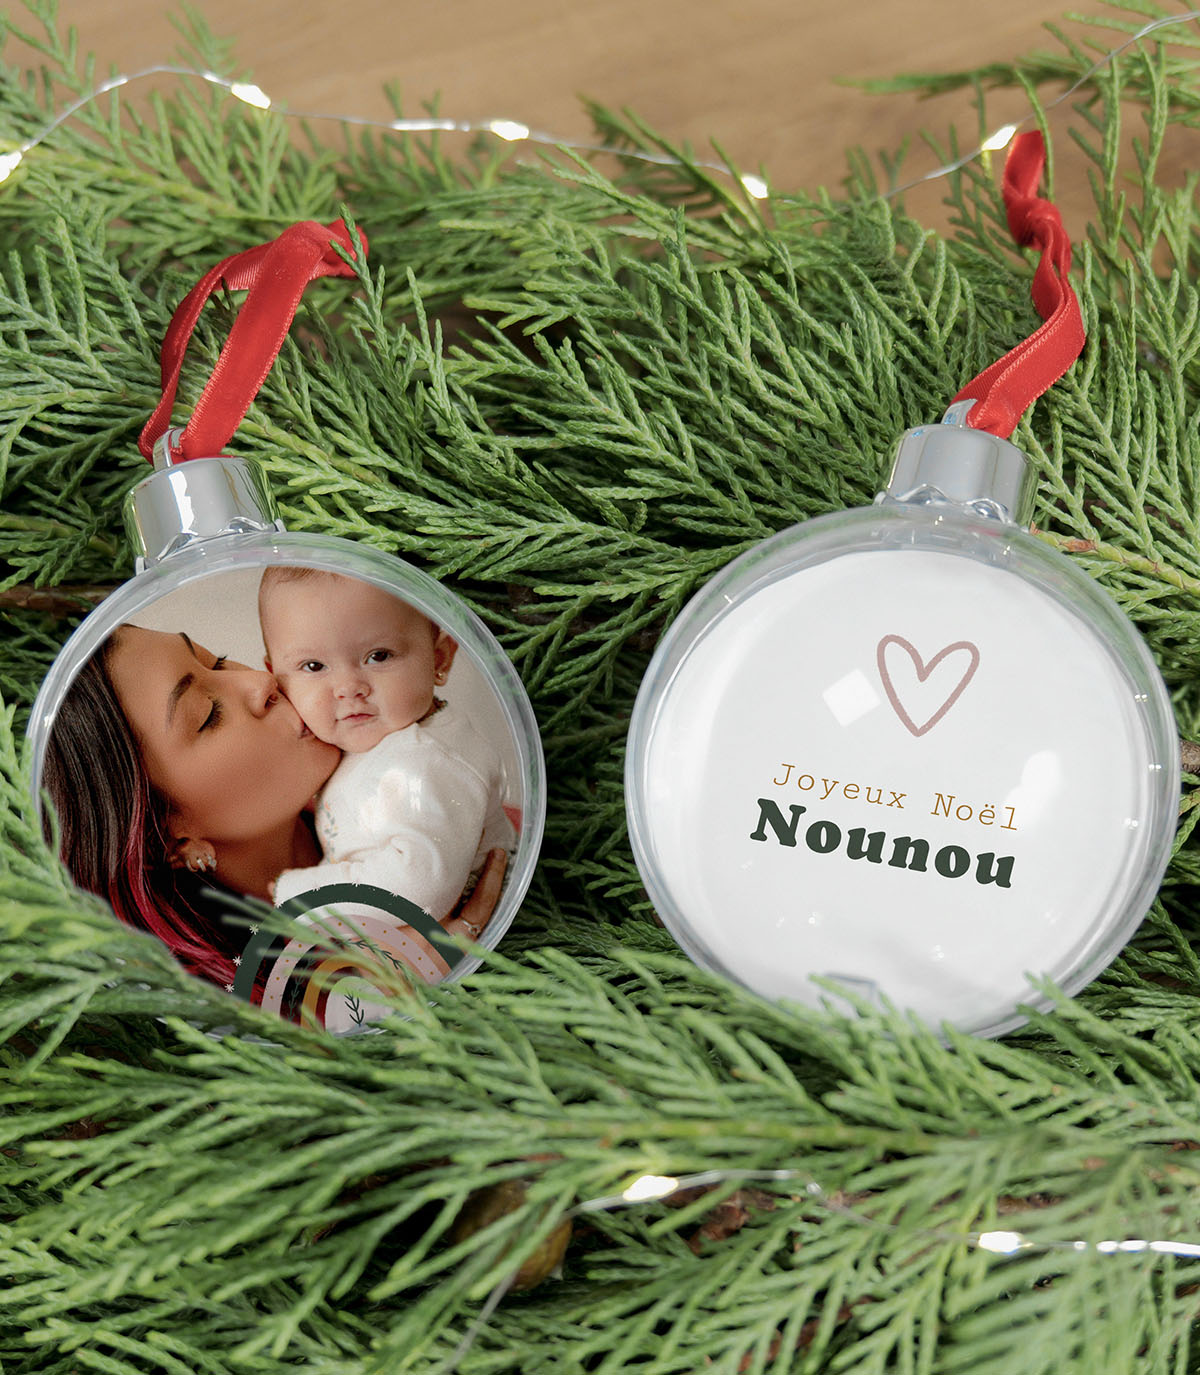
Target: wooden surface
<point>760,77</point>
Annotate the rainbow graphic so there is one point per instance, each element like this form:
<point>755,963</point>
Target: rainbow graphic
<point>330,985</point>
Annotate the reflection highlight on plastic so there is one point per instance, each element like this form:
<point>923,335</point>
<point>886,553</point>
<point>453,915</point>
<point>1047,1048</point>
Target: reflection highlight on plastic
<point>1041,784</point>
<point>850,698</point>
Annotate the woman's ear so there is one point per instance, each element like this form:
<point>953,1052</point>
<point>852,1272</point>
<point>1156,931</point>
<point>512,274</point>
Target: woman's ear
<point>183,852</point>
<point>444,650</point>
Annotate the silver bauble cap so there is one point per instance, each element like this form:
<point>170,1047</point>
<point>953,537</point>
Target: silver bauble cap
<point>182,503</point>
<point>950,462</point>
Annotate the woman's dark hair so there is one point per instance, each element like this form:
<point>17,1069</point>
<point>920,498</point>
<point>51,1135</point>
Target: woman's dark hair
<point>113,835</point>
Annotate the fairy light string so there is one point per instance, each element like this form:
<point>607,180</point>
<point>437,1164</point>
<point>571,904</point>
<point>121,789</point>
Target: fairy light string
<point>516,131</point>
<point>652,1188</point>
<point>507,130</point>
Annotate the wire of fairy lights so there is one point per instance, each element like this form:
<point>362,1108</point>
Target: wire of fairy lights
<point>516,131</point>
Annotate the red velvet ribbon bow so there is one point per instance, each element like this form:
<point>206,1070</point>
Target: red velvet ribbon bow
<point>1011,385</point>
<point>275,275</point>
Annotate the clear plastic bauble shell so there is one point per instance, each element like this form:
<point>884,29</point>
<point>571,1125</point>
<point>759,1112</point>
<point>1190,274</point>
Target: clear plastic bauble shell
<point>207,537</point>
<point>906,755</point>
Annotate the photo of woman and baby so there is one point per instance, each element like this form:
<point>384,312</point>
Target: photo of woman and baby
<point>364,750</point>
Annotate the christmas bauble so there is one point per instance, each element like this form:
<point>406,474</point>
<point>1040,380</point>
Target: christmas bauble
<point>906,754</point>
<point>294,718</point>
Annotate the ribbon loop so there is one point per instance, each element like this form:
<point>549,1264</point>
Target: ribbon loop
<point>1004,391</point>
<point>275,275</point>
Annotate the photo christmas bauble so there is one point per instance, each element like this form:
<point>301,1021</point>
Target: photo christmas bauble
<point>292,719</point>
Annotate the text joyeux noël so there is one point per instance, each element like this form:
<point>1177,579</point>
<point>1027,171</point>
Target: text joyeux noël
<point>944,804</point>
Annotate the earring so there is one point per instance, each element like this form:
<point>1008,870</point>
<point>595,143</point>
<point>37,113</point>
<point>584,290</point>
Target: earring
<point>440,677</point>
<point>198,856</point>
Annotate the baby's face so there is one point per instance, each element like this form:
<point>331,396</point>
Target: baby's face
<point>355,662</point>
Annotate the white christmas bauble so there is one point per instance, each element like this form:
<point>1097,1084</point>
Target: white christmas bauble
<point>908,752</point>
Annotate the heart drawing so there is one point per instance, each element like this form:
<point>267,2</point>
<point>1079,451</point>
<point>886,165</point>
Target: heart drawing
<point>905,675</point>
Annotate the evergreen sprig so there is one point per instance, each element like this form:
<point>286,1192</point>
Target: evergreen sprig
<point>574,391</point>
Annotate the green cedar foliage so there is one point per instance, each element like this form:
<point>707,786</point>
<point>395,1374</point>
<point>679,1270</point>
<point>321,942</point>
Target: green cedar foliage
<point>574,390</point>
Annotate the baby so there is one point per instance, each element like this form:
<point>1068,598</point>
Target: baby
<point>414,806</point>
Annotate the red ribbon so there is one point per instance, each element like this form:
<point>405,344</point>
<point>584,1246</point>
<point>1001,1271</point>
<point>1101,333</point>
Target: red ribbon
<point>275,274</point>
<point>1011,385</point>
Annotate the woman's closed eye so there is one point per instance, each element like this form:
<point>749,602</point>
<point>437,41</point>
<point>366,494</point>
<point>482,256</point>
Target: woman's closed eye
<point>215,712</point>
